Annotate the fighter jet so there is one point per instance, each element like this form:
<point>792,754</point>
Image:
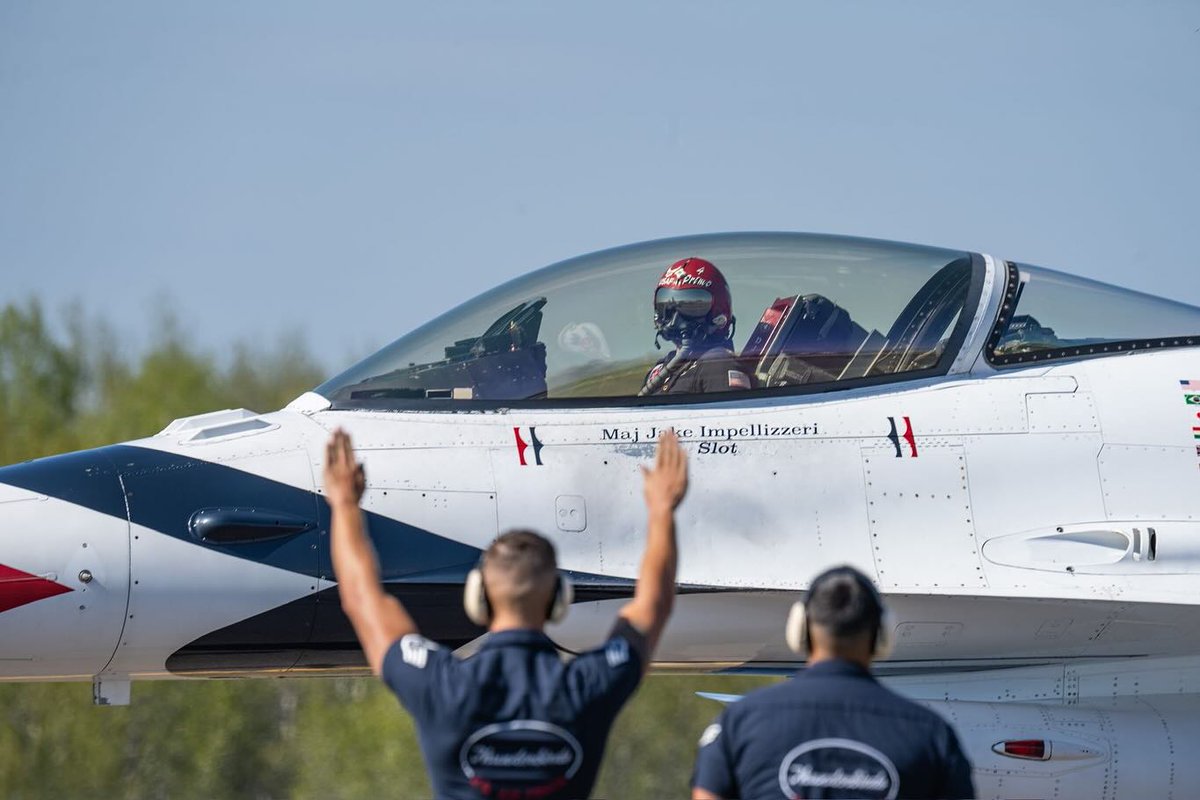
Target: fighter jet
<point>1011,452</point>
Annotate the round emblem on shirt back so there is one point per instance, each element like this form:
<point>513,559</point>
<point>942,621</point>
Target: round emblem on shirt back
<point>520,754</point>
<point>840,768</point>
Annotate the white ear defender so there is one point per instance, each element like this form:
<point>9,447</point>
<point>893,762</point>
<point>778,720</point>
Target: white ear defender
<point>560,601</point>
<point>479,609</point>
<point>475,601</point>
<point>796,630</point>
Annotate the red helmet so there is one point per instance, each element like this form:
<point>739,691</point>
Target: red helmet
<point>692,299</point>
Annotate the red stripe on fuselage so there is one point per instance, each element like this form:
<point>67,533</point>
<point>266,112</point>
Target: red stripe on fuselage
<point>908,437</point>
<point>18,588</point>
<point>521,446</point>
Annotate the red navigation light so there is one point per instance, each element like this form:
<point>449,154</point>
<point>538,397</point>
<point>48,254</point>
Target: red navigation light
<point>1031,749</point>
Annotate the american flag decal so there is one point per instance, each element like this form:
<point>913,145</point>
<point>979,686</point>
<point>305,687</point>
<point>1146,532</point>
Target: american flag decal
<point>1191,396</point>
<point>738,379</point>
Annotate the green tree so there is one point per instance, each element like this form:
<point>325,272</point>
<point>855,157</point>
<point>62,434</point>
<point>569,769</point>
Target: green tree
<point>173,380</point>
<point>40,380</point>
<point>69,389</point>
<point>359,741</point>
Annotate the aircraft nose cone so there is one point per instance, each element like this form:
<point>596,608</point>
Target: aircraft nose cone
<point>64,565</point>
<point>47,520</point>
<point>87,478</point>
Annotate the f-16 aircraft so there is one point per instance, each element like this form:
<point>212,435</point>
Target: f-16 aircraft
<point>1012,453</point>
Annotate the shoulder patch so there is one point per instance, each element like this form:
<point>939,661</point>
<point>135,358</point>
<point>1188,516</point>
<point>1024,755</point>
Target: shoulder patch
<point>616,652</point>
<point>414,649</point>
<point>738,379</point>
<point>710,735</point>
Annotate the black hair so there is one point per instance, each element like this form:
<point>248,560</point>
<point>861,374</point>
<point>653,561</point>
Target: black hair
<point>844,602</point>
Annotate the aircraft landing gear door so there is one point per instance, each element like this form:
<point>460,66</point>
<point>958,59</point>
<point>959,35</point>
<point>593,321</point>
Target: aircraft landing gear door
<point>920,518</point>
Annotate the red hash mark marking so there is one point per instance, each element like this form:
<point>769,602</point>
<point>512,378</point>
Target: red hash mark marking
<point>18,588</point>
<point>521,446</point>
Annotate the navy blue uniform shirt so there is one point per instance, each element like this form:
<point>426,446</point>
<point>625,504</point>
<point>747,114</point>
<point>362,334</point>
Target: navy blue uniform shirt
<point>513,721</point>
<point>831,731</point>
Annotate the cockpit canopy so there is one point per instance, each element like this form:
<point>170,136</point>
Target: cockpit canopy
<point>809,310</point>
<point>811,313</point>
<point>1052,315</point>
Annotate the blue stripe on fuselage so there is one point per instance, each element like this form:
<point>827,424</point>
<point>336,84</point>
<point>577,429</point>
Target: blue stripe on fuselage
<point>86,478</point>
<point>164,490</point>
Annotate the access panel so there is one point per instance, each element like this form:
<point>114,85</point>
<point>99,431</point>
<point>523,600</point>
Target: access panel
<point>920,518</point>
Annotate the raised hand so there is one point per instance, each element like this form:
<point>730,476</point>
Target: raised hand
<point>666,483</point>
<point>345,479</point>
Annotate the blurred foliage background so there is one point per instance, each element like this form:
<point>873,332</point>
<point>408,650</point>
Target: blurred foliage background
<point>71,386</point>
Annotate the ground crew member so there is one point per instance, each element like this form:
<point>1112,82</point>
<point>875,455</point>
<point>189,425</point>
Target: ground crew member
<point>512,722</point>
<point>832,730</point>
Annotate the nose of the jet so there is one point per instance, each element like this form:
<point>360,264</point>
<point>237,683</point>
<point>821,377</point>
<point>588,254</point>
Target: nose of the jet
<point>64,563</point>
<point>87,478</point>
<point>51,507</point>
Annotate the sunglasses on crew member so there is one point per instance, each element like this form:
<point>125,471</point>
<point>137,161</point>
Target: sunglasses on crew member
<point>688,302</point>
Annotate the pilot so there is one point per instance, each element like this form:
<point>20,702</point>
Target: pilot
<point>832,730</point>
<point>513,720</point>
<point>693,310</point>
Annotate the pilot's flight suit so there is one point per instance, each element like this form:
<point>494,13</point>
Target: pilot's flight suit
<point>513,721</point>
<point>831,731</point>
<point>713,369</point>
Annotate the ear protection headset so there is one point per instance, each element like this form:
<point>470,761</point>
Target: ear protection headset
<point>479,609</point>
<point>796,631</point>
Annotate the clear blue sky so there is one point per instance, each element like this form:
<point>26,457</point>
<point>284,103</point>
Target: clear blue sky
<point>353,169</point>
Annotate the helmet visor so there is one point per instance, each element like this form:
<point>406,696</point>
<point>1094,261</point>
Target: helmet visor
<point>688,302</point>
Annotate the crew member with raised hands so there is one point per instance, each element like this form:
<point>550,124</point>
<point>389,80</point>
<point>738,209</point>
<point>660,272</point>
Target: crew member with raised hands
<point>514,721</point>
